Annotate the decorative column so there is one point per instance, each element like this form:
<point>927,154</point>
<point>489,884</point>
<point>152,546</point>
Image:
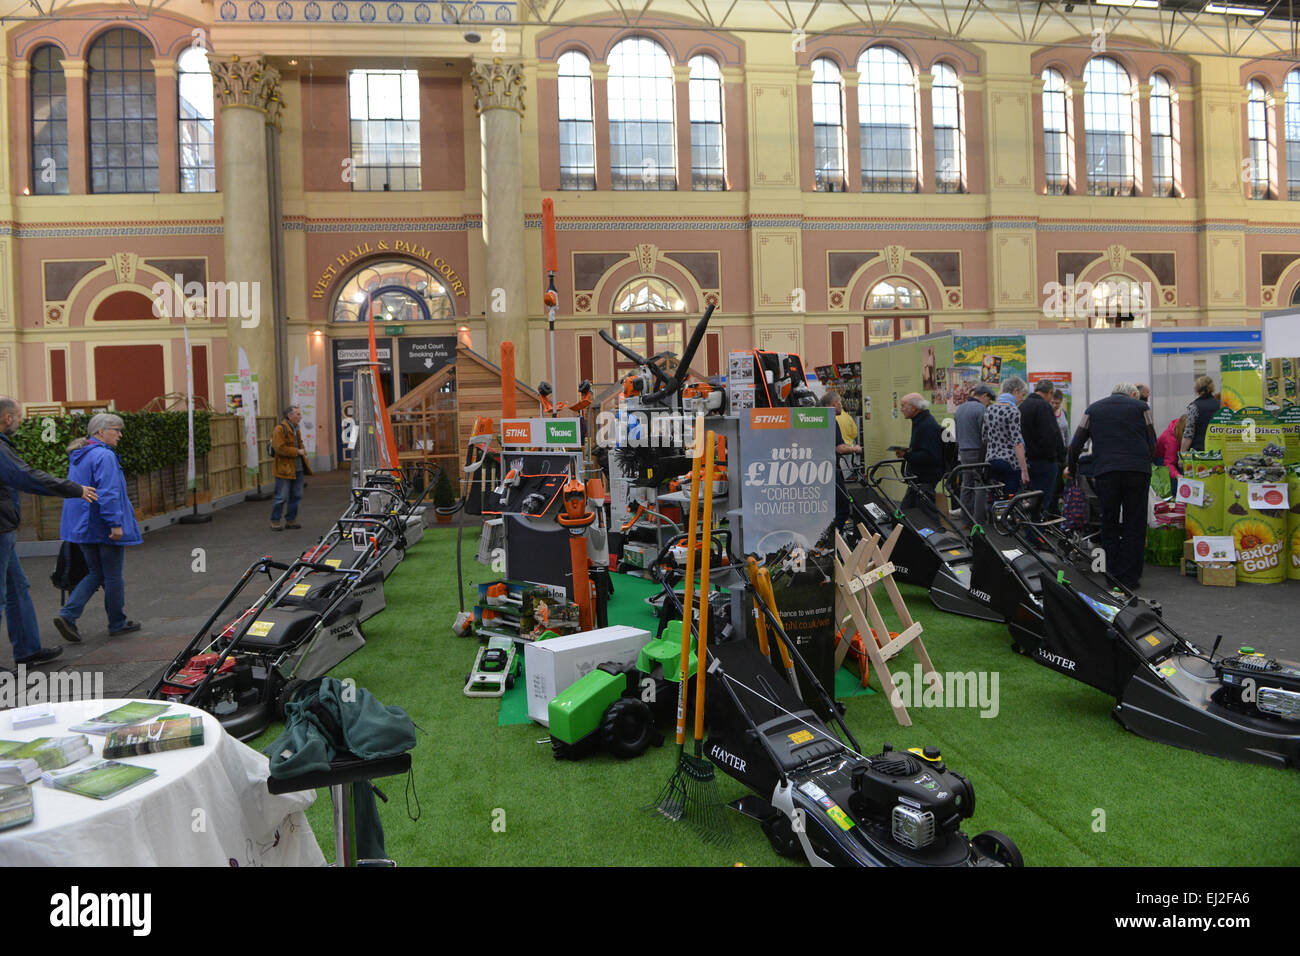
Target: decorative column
<point>927,170</point>
<point>1079,175</point>
<point>499,102</point>
<point>852,133</point>
<point>600,126</point>
<point>1277,103</point>
<point>246,90</point>
<point>166,97</point>
<point>74,75</point>
<point>1145,174</point>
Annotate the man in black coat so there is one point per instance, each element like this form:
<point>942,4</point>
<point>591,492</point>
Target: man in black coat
<point>924,455</point>
<point>15,592</point>
<point>1044,449</point>
<point>1123,441</point>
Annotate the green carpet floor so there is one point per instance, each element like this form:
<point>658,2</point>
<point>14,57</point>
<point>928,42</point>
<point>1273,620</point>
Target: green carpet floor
<point>1051,769</point>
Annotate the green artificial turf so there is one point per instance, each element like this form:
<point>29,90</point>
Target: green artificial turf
<point>1051,769</point>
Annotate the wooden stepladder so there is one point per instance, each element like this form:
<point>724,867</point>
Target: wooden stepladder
<point>857,573</point>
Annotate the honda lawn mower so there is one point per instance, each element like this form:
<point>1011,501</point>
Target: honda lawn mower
<point>932,550</point>
<point>815,794</point>
<point>245,672</point>
<point>1088,626</point>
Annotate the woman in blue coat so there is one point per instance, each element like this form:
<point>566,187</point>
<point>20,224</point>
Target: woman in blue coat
<point>103,529</point>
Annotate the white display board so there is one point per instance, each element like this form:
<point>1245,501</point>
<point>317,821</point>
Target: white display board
<point>1114,356</point>
<point>1062,352</point>
<point>1281,333</point>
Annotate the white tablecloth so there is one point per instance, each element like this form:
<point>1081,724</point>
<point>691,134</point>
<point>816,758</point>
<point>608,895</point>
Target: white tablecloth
<point>207,806</point>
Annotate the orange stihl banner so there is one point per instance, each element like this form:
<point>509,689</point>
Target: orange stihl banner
<point>769,418</point>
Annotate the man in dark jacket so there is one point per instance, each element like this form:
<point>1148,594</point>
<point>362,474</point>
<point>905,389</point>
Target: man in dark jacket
<point>15,592</point>
<point>924,455</point>
<point>1044,449</point>
<point>1123,441</point>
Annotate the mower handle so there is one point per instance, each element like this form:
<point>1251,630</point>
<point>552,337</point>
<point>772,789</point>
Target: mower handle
<point>884,462</point>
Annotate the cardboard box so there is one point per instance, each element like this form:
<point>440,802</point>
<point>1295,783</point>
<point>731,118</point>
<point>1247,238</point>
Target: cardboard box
<point>552,666</point>
<point>1189,559</point>
<point>1217,575</point>
<point>637,554</point>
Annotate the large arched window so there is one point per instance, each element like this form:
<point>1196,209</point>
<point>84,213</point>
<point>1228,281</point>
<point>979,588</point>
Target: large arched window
<point>1056,136</point>
<point>577,136</point>
<point>887,121</point>
<point>49,123</point>
<point>1293,135</point>
<point>948,172</point>
<point>1108,127</point>
<point>196,123</point>
<point>1118,301</point>
<point>642,148</point>
<point>707,167</point>
<point>896,295</point>
<point>1261,150</point>
<point>649,337</point>
<point>396,291</point>
<point>1162,136</point>
<point>828,126</point>
<point>123,110</point>
<point>649,294</point>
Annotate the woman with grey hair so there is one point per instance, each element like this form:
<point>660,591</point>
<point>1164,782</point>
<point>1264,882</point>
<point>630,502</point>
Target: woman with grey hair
<point>102,529</point>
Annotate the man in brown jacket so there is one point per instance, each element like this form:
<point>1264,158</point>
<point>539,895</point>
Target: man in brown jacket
<point>290,469</point>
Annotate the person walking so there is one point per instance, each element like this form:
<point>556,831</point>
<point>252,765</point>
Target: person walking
<point>924,454</point>
<point>291,469</point>
<point>1062,420</point>
<point>103,530</point>
<point>15,590</point>
<point>967,420</point>
<point>1004,446</point>
<point>1044,449</point>
<point>1123,442</point>
<point>1199,412</point>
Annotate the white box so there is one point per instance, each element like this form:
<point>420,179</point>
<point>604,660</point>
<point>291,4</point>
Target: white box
<point>552,666</point>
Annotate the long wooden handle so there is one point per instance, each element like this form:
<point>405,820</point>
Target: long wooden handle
<point>706,551</point>
<point>688,603</point>
<point>751,565</point>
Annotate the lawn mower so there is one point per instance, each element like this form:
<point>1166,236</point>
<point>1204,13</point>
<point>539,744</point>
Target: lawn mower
<point>494,669</point>
<point>1088,626</point>
<point>932,551</point>
<point>245,672</point>
<point>814,794</point>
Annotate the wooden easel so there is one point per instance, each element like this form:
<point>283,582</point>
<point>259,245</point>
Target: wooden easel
<point>857,572</point>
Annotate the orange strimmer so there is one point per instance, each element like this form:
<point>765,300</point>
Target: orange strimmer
<point>576,518</point>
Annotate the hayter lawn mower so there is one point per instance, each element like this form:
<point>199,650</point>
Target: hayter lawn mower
<point>1088,626</point>
<point>932,551</point>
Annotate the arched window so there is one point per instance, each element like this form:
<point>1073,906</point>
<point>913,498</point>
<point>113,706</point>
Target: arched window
<point>1261,151</point>
<point>642,150</point>
<point>828,126</point>
<point>887,121</point>
<point>577,136</point>
<point>123,110</point>
<point>384,113</point>
<point>648,294</point>
<point>1117,300</point>
<point>49,123</point>
<point>1295,296</point>
<point>707,168</point>
<point>948,172</point>
<point>1293,135</point>
<point>396,291</point>
<point>1108,127</point>
<point>1056,136</point>
<point>1162,136</point>
<point>196,145</point>
<point>895,295</point>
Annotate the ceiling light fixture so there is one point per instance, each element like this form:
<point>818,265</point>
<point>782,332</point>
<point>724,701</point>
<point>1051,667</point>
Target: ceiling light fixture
<point>1234,10</point>
<point>1143,4</point>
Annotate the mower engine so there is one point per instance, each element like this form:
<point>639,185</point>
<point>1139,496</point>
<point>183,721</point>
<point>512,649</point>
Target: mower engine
<point>915,792</point>
<point>1254,683</point>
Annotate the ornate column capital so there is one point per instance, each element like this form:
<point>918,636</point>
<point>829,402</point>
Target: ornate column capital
<point>245,81</point>
<point>498,85</point>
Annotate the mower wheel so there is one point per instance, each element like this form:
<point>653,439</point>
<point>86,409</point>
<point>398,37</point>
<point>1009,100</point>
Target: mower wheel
<point>999,847</point>
<point>628,727</point>
<point>285,694</point>
<point>781,835</point>
<point>510,682</point>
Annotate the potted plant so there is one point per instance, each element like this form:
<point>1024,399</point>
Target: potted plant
<point>443,497</point>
